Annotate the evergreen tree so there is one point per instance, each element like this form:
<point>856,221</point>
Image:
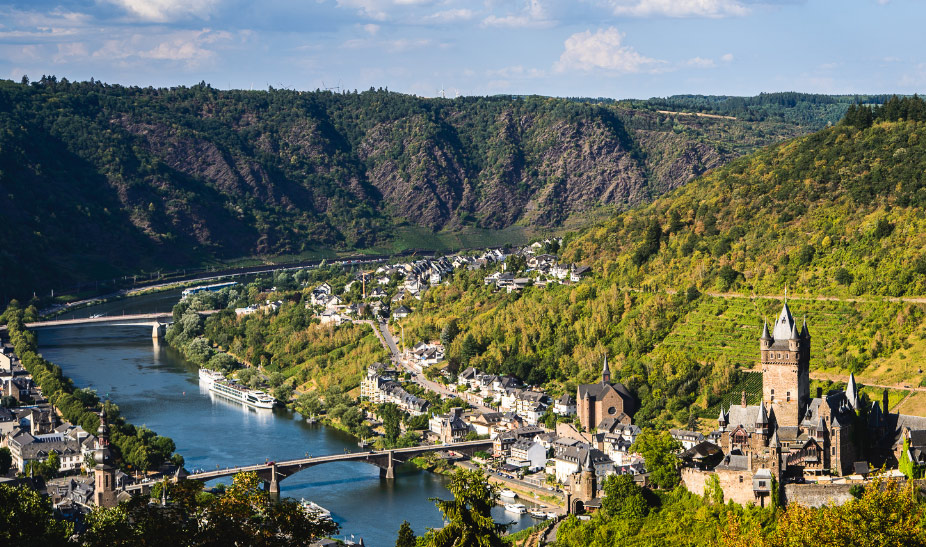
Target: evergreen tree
<point>406,536</point>
<point>468,514</point>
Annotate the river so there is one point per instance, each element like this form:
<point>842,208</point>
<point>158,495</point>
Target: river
<point>155,386</point>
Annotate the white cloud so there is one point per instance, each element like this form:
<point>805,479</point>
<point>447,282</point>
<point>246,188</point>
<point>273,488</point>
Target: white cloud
<point>449,16</point>
<point>167,10</point>
<point>700,62</point>
<point>603,50</point>
<point>678,8</point>
<point>189,48</point>
<point>371,29</point>
<point>533,15</point>
<point>379,9</point>
<point>727,57</point>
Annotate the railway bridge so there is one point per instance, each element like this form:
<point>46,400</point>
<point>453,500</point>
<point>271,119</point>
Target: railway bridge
<point>274,472</point>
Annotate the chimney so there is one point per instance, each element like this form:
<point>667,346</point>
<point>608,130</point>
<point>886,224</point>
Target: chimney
<point>884,401</point>
<point>744,399</point>
<point>819,392</point>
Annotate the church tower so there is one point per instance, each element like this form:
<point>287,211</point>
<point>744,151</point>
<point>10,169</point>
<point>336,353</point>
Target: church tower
<point>104,473</point>
<point>785,368</point>
<point>605,372</point>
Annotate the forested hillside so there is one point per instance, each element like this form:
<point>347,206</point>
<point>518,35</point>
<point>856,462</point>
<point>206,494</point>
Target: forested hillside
<point>100,180</point>
<point>837,213</point>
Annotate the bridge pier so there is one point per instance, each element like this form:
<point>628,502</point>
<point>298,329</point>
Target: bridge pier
<point>158,331</point>
<point>389,471</point>
<point>274,487</point>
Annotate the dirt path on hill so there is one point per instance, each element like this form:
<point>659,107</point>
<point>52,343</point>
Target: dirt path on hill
<point>910,299</point>
<point>833,377</point>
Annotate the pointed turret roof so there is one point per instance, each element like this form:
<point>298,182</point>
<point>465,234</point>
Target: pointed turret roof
<point>723,417</point>
<point>773,443</point>
<point>784,324</point>
<point>805,332</point>
<point>794,333</point>
<point>763,415</point>
<point>588,460</point>
<point>765,333</point>
<point>605,371</point>
<point>852,391</point>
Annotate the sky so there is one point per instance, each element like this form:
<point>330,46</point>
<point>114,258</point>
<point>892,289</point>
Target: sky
<point>589,48</point>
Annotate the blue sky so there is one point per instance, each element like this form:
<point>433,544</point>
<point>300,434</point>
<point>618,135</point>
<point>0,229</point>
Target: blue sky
<point>609,48</point>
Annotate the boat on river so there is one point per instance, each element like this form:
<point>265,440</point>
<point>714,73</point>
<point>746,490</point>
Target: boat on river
<point>507,494</point>
<point>538,514</point>
<point>217,383</point>
<point>315,509</point>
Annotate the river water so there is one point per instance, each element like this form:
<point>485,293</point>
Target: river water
<point>156,387</point>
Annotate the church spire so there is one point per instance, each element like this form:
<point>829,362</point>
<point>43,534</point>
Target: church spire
<point>605,372</point>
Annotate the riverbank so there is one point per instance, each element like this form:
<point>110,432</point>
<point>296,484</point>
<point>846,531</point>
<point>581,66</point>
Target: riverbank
<point>523,489</point>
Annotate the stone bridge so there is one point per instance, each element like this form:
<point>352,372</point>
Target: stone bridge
<point>386,460</point>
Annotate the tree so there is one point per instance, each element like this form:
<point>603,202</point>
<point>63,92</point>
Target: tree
<point>468,514</point>
<point>450,332</point>
<point>623,498</point>
<point>658,450</point>
<point>26,519</point>
<point>406,536</point>
<point>392,420</point>
<point>6,460</point>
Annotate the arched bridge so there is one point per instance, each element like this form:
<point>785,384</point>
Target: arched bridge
<point>386,460</point>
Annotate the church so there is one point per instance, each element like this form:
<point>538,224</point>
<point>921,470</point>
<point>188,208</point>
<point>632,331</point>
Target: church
<point>604,403</point>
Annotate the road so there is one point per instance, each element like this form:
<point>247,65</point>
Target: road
<point>385,336</point>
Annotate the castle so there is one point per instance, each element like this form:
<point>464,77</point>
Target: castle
<point>789,435</point>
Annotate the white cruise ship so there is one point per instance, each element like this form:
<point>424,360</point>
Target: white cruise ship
<point>218,384</point>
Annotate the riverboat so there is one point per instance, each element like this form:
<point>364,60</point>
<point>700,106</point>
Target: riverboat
<point>313,508</point>
<point>507,494</point>
<point>538,514</point>
<point>516,508</point>
<point>218,384</point>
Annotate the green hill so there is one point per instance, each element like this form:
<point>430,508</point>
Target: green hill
<point>102,180</point>
<point>835,216</point>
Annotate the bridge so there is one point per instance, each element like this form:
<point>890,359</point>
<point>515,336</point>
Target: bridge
<point>157,321</point>
<point>274,472</point>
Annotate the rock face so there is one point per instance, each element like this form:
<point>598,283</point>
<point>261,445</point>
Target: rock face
<point>173,177</point>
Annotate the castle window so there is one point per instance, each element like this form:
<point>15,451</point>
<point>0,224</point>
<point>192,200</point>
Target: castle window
<point>741,478</point>
<point>834,450</point>
<point>789,396</point>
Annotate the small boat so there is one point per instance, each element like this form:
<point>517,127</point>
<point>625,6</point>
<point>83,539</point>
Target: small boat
<point>507,494</point>
<point>551,515</point>
<point>313,508</point>
<point>537,514</point>
<point>516,508</point>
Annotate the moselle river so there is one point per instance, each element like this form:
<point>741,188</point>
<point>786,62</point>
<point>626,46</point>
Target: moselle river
<point>155,387</point>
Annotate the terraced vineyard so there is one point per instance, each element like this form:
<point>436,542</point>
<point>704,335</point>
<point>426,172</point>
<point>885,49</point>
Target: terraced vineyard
<point>846,336</point>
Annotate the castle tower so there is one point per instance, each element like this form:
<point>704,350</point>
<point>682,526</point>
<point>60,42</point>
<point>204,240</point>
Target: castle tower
<point>588,480</point>
<point>785,365</point>
<point>104,473</point>
<point>605,372</point>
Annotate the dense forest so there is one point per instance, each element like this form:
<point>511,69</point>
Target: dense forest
<point>102,180</point>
